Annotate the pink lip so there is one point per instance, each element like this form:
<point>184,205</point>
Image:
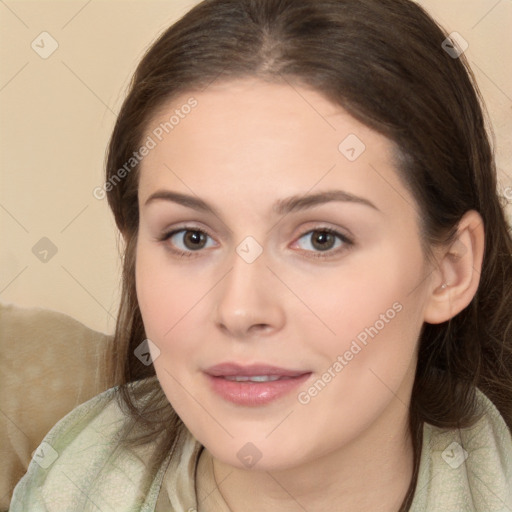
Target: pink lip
<point>253,394</point>
<point>232,369</point>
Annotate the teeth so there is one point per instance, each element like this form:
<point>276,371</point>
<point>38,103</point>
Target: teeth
<point>255,378</point>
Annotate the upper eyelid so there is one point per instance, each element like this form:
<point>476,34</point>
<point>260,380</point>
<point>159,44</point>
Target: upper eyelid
<point>319,226</point>
<point>344,237</point>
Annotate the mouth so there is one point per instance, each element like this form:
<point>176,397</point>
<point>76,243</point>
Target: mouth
<point>253,385</point>
<point>259,372</point>
<point>255,378</point>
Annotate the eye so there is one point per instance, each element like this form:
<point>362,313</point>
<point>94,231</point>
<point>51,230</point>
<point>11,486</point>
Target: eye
<point>192,238</point>
<point>323,239</point>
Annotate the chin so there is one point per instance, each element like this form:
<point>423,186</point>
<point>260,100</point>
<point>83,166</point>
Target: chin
<point>257,455</point>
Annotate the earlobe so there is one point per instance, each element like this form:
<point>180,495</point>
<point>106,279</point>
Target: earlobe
<point>456,280</point>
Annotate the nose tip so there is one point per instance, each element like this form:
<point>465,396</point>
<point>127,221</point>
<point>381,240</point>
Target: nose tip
<point>240,326</point>
<point>247,303</point>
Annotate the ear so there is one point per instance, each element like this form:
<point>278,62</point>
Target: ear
<point>458,269</point>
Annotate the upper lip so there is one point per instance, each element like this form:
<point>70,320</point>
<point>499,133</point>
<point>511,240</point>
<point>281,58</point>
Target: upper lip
<point>234,369</point>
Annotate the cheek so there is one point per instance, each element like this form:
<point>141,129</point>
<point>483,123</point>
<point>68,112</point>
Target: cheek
<point>167,306</point>
<point>151,295</point>
<point>164,295</point>
<point>372,294</point>
<point>377,316</point>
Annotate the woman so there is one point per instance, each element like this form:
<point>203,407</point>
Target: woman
<point>317,275</point>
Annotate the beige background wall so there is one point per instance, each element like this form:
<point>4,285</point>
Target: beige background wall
<point>56,115</point>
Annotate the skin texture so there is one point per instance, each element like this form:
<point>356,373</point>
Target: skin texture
<point>246,145</point>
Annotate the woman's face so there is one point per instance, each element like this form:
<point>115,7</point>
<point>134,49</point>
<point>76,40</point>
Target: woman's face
<point>262,283</point>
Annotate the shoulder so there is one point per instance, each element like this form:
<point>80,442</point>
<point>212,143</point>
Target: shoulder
<point>467,469</point>
<point>81,465</point>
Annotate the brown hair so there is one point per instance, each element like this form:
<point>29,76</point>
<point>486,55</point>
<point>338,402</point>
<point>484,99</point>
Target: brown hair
<point>383,62</point>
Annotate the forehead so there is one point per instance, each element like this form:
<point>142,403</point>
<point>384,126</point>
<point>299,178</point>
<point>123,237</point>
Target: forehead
<point>260,136</point>
<point>252,111</point>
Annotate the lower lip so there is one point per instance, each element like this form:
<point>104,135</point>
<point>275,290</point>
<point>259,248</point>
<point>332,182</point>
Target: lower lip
<point>254,393</point>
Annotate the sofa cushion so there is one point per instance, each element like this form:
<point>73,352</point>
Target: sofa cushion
<point>49,364</point>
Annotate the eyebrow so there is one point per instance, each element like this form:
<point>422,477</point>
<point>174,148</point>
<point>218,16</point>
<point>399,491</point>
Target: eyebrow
<point>281,207</point>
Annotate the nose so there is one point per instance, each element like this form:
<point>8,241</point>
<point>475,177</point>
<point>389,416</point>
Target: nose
<point>250,300</point>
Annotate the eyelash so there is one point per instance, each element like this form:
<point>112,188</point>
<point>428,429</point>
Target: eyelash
<point>321,229</point>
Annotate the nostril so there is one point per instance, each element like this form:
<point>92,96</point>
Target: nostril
<point>260,327</point>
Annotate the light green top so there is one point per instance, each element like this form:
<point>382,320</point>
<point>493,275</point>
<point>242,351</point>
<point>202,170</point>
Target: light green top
<point>80,466</point>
